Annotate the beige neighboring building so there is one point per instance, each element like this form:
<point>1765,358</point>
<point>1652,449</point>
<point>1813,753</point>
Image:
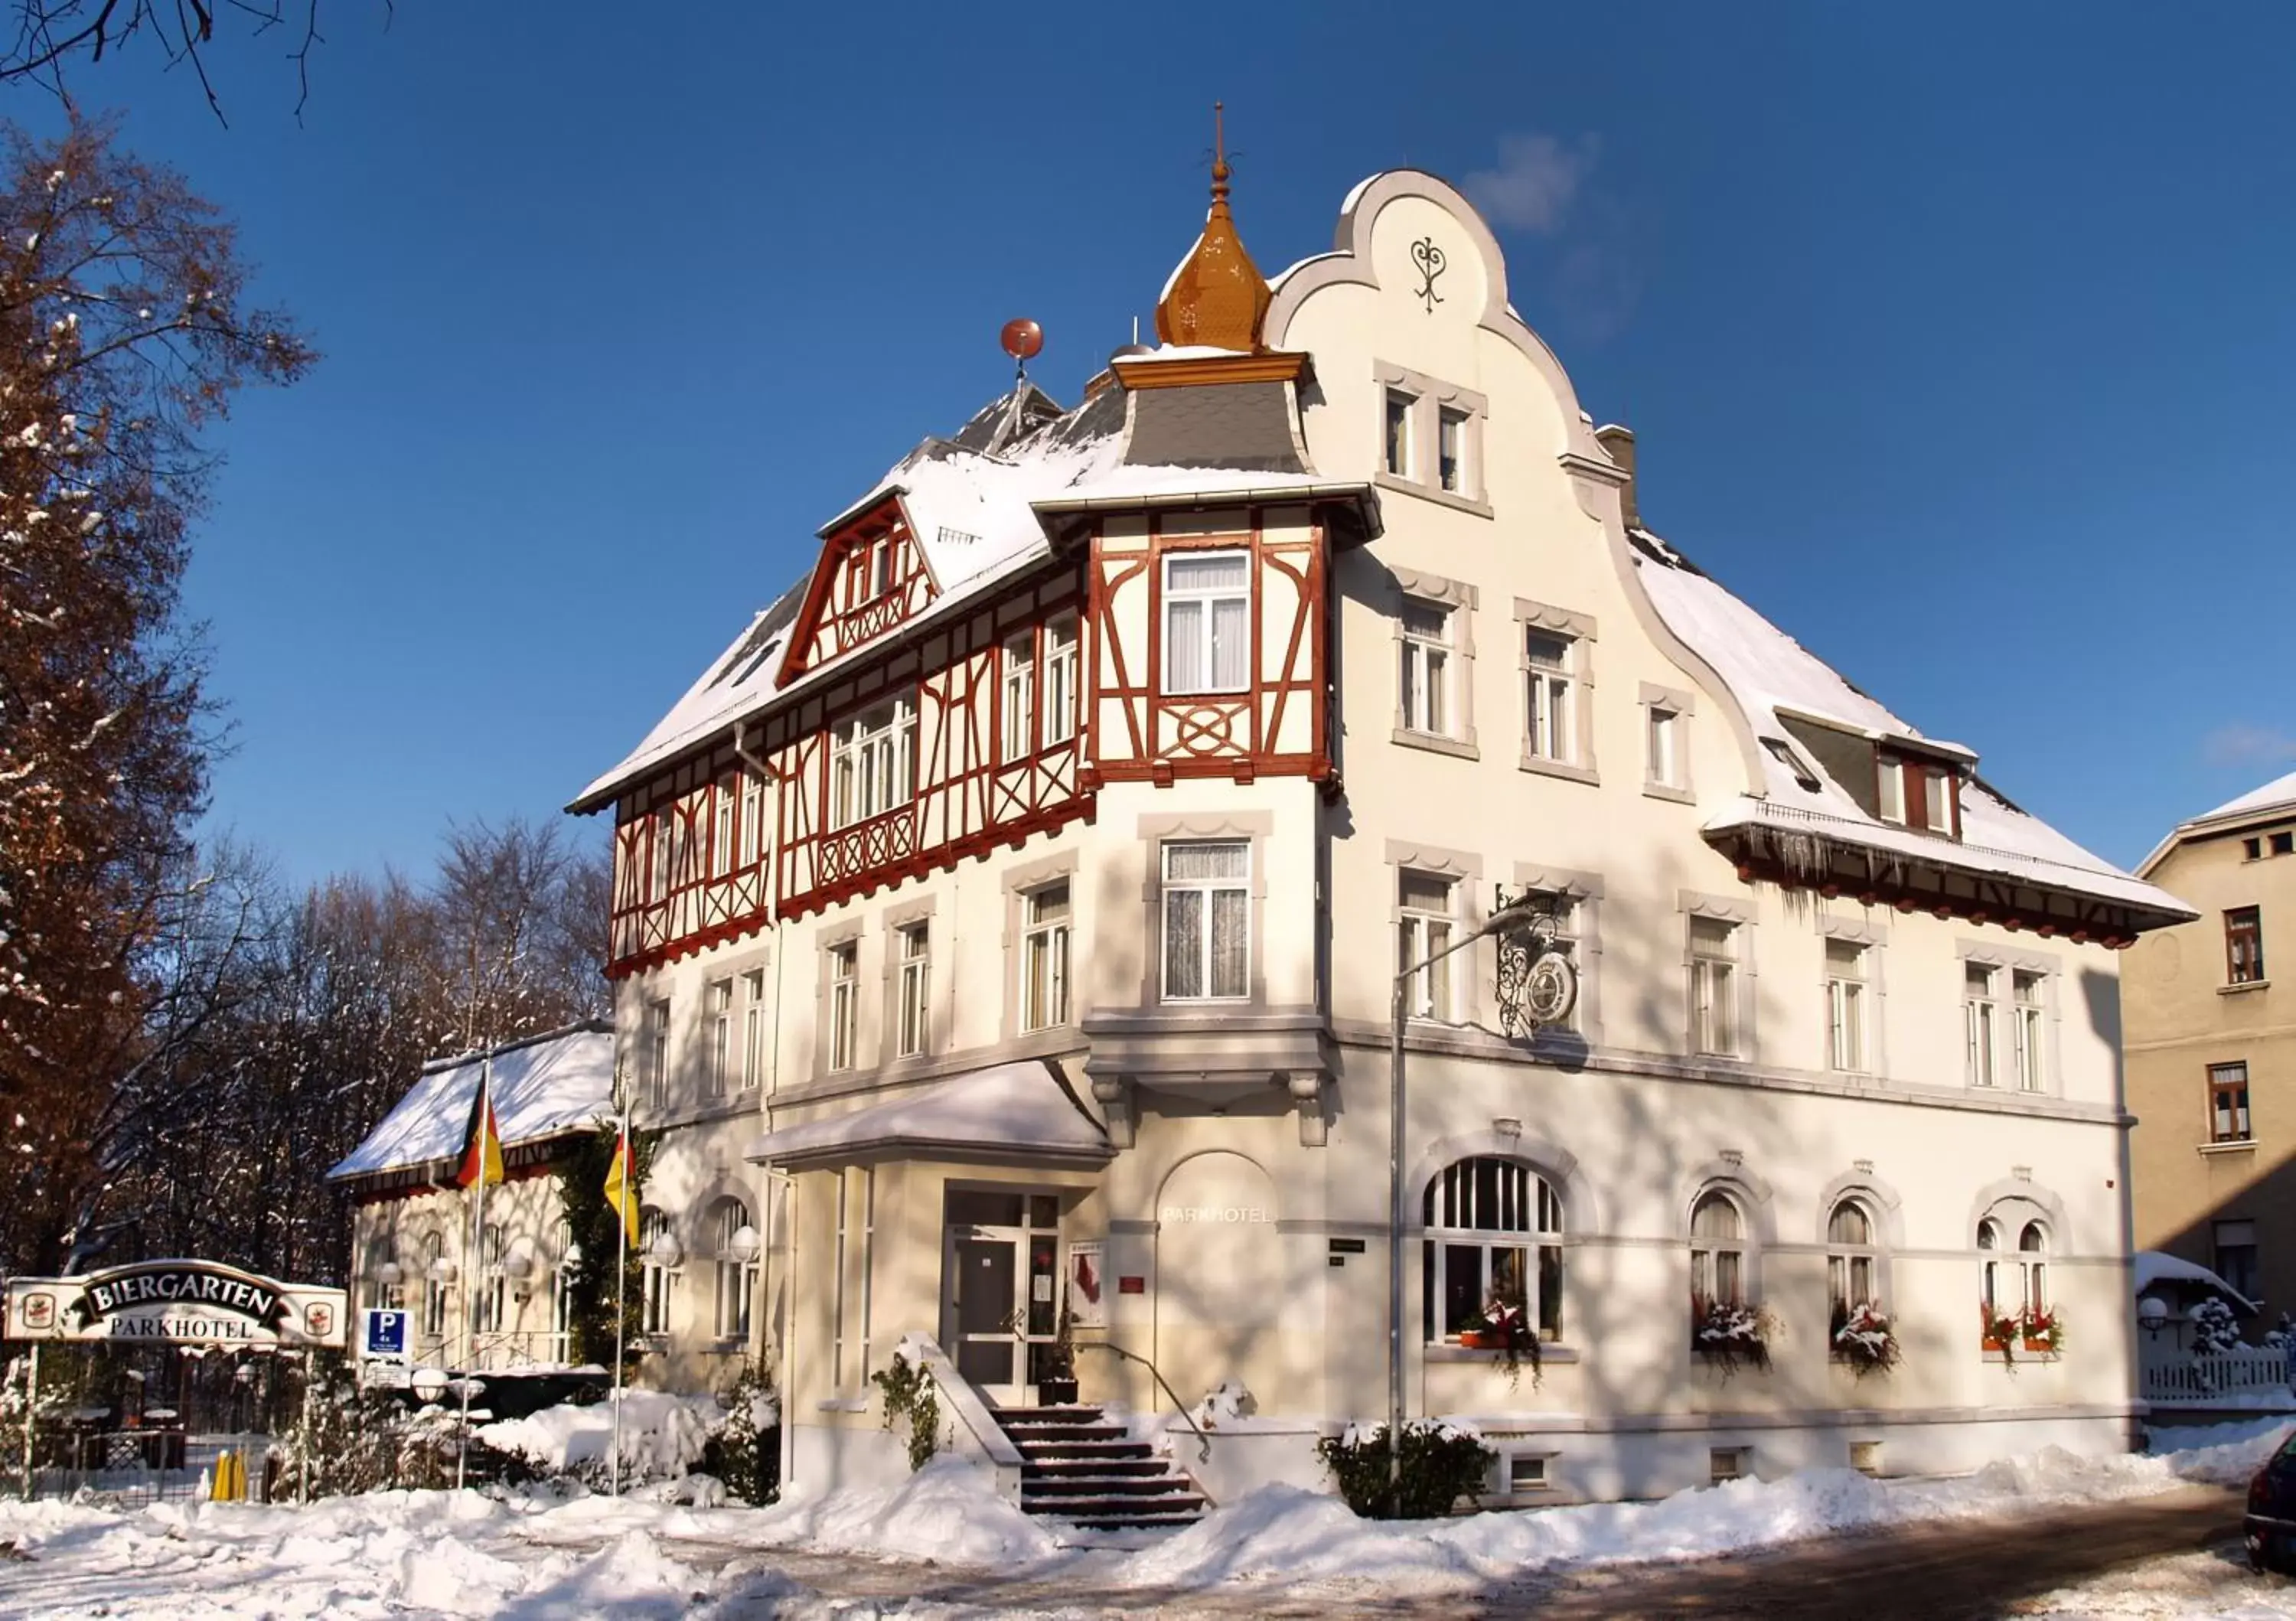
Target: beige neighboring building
<point>2212,1050</point>
<point>1012,912</point>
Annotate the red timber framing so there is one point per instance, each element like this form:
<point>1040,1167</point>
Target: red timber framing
<point>873,577</point>
<point>689,861</point>
<point>1275,723</point>
<point>981,778</point>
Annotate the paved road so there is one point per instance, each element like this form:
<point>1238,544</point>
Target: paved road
<point>1952,1571</point>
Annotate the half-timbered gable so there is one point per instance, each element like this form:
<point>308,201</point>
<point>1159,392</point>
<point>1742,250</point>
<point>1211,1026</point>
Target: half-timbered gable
<point>872,576</point>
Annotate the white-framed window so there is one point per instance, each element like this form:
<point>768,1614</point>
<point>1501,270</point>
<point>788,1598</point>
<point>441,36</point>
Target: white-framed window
<point>1020,708</point>
<point>1453,444</point>
<point>1714,986</point>
<point>1717,1249</point>
<point>655,1051</point>
<point>1989,1291</point>
<point>1207,622</point>
<point>653,1277</point>
<point>873,762</point>
<point>2033,1262</point>
<point>2027,1027</point>
<point>1662,751</point>
<point>562,1291</point>
<point>1550,662</point>
<point>753,1029</point>
<point>753,815</point>
<point>1852,1259</point>
<point>721,834</point>
<point>489,1298</point>
<point>435,1292</point>
<point>1046,918</point>
<point>1061,658</point>
<point>1889,791</point>
<point>736,1274</point>
<point>1426,904</point>
<point>1206,920</point>
<point>844,1004</point>
<point>1494,1236</point>
<point>1978,1016</point>
<point>720,996</point>
<point>1845,1007</point>
<point>1426,668</point>
<point>1395,446</point>
<point>914,1030</point>
<point>2228,1120</point>
<point>1937,800</point>
<point>666,824</point>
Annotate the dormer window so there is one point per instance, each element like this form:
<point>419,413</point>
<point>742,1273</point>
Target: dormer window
<point>1890,795</point>
<point>1782,753</point>
<point>1916,794</point>
<point>1936,801</point>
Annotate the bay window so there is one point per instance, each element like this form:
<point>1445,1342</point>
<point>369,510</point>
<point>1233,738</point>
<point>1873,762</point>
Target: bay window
<point>1060,714</point>
<point>872,762</point>
<point>1019,713</point>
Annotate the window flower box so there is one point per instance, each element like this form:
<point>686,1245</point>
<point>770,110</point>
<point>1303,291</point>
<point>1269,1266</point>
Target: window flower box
<point>1863,1339</point>
<point>1503,1326</point>
<point>1997,1331</point>
<point>2043,1330</point>
<point>1727,1334</point>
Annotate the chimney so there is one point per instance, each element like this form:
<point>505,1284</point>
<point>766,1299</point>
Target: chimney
<point>1619,442</point>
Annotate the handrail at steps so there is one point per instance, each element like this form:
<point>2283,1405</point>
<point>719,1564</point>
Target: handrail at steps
<point>956,1392</point>
<point>1203,1440</point>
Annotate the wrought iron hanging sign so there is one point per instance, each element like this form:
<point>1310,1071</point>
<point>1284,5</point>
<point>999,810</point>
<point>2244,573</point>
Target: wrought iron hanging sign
<point>1537,983</point>
<point>179,1302</point>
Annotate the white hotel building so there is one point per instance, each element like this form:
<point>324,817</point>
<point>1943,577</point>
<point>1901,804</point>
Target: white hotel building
<point>1013,909</point>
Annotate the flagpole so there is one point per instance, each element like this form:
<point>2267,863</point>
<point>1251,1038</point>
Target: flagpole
<point>478,1259</point>
<point>622,1282</point>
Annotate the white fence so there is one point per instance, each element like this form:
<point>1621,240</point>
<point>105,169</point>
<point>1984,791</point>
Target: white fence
<point>2186,1376</point>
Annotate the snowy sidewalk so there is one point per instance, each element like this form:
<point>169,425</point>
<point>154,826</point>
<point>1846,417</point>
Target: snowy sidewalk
<point>438,1554</point>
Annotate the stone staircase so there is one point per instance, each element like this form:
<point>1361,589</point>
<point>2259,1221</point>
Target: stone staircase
<point>1078,1466</point>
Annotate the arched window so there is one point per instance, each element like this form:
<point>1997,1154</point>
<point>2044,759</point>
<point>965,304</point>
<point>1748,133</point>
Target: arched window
<point>733,1240</point>
<point>1493,1235</point>
<point>1717,1249</point>
<point>2032,1259</point>
<point>562,1291</point>
<point>434,1288</point>
<point>657,1250</point>
<point>1851,1257</point>
<point>1988,1267</point>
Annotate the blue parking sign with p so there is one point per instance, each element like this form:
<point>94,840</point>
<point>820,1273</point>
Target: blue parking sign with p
<point>386,1334</point>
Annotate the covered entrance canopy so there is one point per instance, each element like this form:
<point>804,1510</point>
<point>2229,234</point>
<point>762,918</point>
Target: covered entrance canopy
<point>1020,1112</point>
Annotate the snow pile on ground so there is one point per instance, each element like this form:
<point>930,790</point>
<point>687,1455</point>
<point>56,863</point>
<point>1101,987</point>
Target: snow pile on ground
<point>1281,1534</point>
<point>662,1435</point>
<point>948,1511</point>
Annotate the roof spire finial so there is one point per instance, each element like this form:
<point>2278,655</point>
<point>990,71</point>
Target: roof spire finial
<point>1219,154</point>
<point>1217,298</point>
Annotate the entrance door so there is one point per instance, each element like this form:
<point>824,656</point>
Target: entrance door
<point>984,1274</point>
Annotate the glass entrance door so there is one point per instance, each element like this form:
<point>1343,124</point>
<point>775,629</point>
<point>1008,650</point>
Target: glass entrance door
<point>984,1268</point>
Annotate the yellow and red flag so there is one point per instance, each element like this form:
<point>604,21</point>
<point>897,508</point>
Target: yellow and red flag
<point>622,1187</point>
<point>482,1152</point>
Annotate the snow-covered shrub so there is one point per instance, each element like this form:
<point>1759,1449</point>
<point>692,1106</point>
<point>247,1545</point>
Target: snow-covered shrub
<point>910,1394</point>
<point>1727,1334</point>
<point>745,1451</point>
<point>2276,1336</point>
<point>662,1438</point>
<point>2214,1328</point>
<point>1441,1461</point>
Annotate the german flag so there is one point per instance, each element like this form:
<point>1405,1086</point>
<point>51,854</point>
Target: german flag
<point>621,1187</point>
<point>482,1152</point>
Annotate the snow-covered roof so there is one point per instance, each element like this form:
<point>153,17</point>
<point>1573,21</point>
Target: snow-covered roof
<point>544,1086</point>
<point>1776,679</point>
<point>2153,1266</point>
<point>1017,1108</point>
<point>977,518</point>
<point>2275,797</point>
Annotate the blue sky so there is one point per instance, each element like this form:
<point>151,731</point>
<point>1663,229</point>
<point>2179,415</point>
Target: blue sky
<point>1958,341</point>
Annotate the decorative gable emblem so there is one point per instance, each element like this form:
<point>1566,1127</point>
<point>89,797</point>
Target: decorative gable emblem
<point>1429,258</point>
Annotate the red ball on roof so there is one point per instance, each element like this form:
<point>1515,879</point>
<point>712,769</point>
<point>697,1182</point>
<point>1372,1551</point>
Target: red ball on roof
<point>1023,338</point>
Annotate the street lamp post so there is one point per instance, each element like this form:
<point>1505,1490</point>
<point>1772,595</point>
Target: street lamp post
<point>1502,921</point>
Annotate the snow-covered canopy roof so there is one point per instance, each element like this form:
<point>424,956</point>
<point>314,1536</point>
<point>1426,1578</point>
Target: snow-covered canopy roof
<point>1774,679</point>
<point>1016,1109</point>
<point>544,1086</point>
<point>2152,1267</point>
<point>2275,797</point>
<point>978,517</point>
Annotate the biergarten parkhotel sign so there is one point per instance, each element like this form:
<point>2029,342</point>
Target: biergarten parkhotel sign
<point>184,1303</point>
